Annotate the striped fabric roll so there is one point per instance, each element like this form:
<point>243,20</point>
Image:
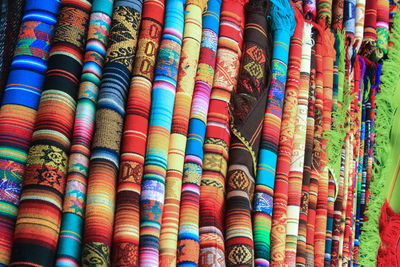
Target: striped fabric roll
<point>15,11</point>
<point>179,128</point>
<point>310,9</point>
<point>317,151</point>
<point>337,15</point>
<point>276,251</point>
<point>329,220</point>
<point>301,254</point>
<point>324,12</point>
<point>18,110</point>
<point>297,161</point>
<point>127,216</point>
<point>3,27</point>
<point>69,247</point>
<point>248,107</point>
<point>370,21</point>
<point>188,235</point>
<point>382,25</point>
<point>155,166</point>
<point>322,202</point>
<point>359,28</point>
<point>35,240</point>
<point>110,113</point>
<point>349,20</point>
<point>217,139</point>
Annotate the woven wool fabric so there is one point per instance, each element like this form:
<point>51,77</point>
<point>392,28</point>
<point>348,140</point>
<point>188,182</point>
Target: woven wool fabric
<point>69,247</point>
<point>382,25</point>
<point>349,20</point>
<point>110,113</point>
<point>310,9</point>
<point>370,21</point>
<point>14,18</point>
<point>359,28</point>
<point>155,166</point>
<point>322,202</point>
<point>278,229</point>
<point>337,15</point>
<point>324,12</point>
<point>248,107</point>
<point>18,110</point>
<point>317,152</point>
<point>295,177</point>
<point>3,27</point>
<point>179,128</point>
<point>301,254</point>
<point>188,235</point>
<point>127,216</point>
<point>35,240</point>
<point>217,139</point>
<point>329,219</point>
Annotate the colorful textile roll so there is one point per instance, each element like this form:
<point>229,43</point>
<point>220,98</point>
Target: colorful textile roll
<point>3,27</point>
<point>15,11</point>
<point>188,235</point>
<point>349,20</point>
<point>317,151</point>
<point>40,211</point>
<point>329,219</point>
<point>127,215</point>
<point>18,110</point>
<point>180,122</point>
<point>217,141</point>
<point>188,238</point>
<point>295,177</point>
<point>155,166</point>
<point>248,107</point>
<point>69,247</point>
<point>370,21</point>
<point>382,25</point>
<point>278,229</point>
<point>310,9</point>
<point>324,12</point>
<point>337,15</point>
<point>301,254</point>
<point>110,113</point>
<point>359,30</point>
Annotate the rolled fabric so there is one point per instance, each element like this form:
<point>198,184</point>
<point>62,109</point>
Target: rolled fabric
<point>310,9</point>
<point>15,11</point>
<point>370,22</point>
<point>350,19</point>
<point>324,12</point>
<point>40,211</point>
<point>248,107</point>
<point>295,177</point>
<point>110,114</point>
<point>337,15</point>
<point>188,235</point>
<point>322,202</point>
<point>301,253</point>
<point>329,220</point>
<point>3,27</point>
<point>162,104</point>
<point>359,28</point>
<point>180,122</point>
<point>18,110</point>
<point>276,250</point>
<point>317,151</point>
<point>69,243</point>
<point>133,147</point>
<point>382,25</point>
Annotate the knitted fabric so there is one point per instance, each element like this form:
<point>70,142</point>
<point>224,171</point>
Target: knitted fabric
<point>285,145</point>
<point>295,177</point>
<point>155,166</point>
<point>18,110</point>
<point>248,107</point>
<point>110,113</point>
<point>127,216</point>
<point>40,211</point>
<point>69,247</point>
<point>217,139</point>
<point>180,122</point>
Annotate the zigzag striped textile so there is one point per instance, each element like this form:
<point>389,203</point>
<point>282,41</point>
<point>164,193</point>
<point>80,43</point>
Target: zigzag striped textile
<point>35,240</point>
<point>110,113</point>
<point>18,110</point>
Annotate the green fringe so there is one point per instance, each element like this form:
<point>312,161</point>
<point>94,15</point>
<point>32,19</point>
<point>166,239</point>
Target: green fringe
<point>335,137</point>
<point>385,108</point>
